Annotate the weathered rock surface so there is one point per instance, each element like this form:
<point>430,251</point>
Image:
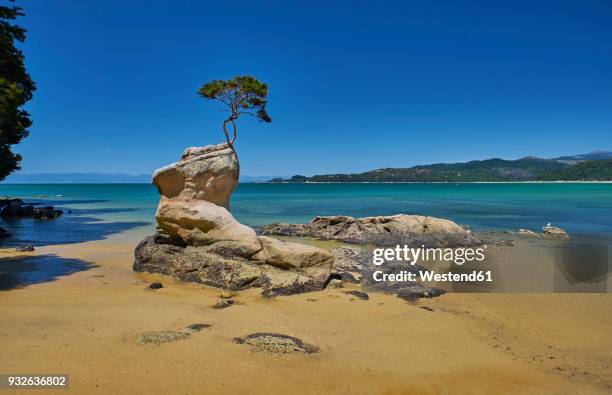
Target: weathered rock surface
<point>207,173</point>
<point>349,262</point>
<point>167,336</point>
<point>276,343</point>
<point>227,270</point>
<point>412,230</point>
<point>554,233</point>
<point>199,240</point>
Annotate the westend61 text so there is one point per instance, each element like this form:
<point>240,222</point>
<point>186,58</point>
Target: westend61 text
<point>429,275</point>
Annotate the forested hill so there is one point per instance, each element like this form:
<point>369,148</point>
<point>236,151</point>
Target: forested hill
<point>589,167</point>
<point>592,170</point>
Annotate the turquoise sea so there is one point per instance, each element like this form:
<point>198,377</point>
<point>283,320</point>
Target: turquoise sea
<point>99,210</point>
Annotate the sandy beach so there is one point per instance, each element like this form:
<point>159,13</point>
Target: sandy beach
<point>87,324</point>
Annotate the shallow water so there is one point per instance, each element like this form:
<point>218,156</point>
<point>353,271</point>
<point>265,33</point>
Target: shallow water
<point>99,210</point>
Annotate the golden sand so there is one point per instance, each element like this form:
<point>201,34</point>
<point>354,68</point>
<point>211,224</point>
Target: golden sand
<point>87,323</point>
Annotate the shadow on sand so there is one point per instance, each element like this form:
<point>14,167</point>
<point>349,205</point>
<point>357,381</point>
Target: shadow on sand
<point>21,271</point>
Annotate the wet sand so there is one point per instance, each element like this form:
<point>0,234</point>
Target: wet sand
<point>86,322</point>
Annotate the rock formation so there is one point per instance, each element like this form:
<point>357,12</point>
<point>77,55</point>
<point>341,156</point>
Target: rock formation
<point>553,232</point>
<point>199,240</point>
<point>15,208</point>
<point>548,232</point>
<point>412,230</point>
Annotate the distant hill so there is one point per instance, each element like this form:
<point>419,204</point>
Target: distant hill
<point>524,169</point>
<point>251,179</point>
<point>591,170</point>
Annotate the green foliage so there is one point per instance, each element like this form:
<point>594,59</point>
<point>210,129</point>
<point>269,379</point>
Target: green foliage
<point>591,170</point>
<point>16,88</point>
<point>241,95</point>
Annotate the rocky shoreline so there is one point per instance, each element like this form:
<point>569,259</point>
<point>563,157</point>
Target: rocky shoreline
<point>16,208</point>
<point>411,230</point>
<point>198,239</point>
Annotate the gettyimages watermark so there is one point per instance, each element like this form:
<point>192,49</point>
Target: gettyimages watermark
<point>558,268</point>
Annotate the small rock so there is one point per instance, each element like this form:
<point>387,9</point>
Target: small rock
<point>156,285</point>
<point>427,308</point>
<point>505,243</point>
<point>358,294</point>
<point>25,248</point>
<point>334,283</point>
<point>276,343</point>
<point>222,304</point>
<point>197,327</point>
<point>554,233</point>
<point>166,336</point>
<point>159,337</point>
<point>225,294</point>
<point>414,292</point>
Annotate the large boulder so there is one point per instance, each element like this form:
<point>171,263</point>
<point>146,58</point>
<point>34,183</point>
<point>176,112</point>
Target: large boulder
<point>202,223</point>
<point>207,173</point>
<point>277,272</point>
<point>199,240</point>
<point>413,230</point>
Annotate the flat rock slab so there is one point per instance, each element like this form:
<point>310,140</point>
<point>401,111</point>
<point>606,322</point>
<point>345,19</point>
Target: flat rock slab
<point>276,343</point>
<point>167,336</point>
<point>222,304</point>
<point>412,230</point>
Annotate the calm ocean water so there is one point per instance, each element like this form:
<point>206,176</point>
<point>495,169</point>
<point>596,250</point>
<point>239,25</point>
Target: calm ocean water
<point>103,209</point>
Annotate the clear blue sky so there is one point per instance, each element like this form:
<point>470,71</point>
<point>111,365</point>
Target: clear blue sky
<point>354,85</point>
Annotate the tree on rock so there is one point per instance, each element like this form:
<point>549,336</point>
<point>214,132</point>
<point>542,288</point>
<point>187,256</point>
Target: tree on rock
<point>16,89</point>
<point>239,95</point>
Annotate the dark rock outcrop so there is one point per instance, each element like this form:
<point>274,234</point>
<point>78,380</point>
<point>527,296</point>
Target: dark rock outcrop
<point>15,208</point>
